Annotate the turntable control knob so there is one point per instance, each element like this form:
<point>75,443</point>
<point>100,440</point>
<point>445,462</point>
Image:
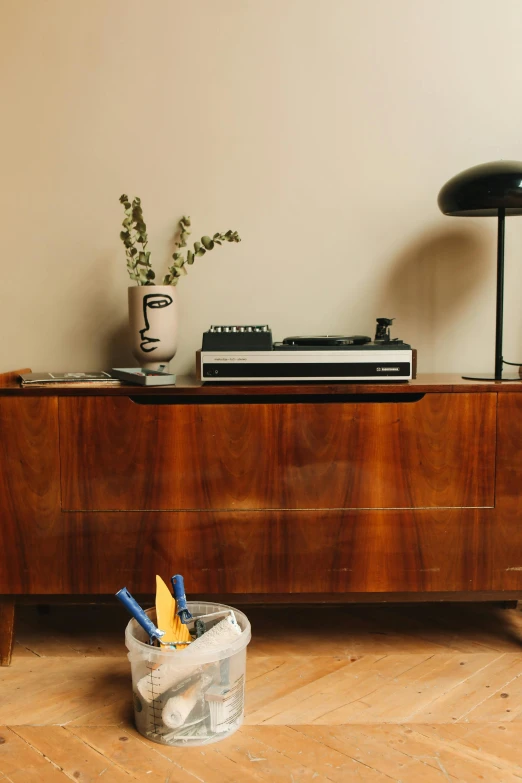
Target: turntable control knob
<point>249,328</point>
<point>233,328</point>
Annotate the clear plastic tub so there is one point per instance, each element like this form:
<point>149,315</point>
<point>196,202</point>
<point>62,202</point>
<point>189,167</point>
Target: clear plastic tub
<point>188,697</point>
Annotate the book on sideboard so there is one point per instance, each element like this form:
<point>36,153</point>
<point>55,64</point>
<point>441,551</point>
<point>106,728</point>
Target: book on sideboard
<point>66,378</point>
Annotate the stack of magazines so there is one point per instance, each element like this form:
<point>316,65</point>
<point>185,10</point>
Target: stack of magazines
<point>78,378</point>
<point>137,375</point>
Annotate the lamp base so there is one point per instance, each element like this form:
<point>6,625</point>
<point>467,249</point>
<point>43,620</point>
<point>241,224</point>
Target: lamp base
<point>491,377</point>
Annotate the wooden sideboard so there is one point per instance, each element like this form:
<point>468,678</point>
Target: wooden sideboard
<point>267,492</point>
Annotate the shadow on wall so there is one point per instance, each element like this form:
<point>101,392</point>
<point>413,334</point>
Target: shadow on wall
<point>100,320</point>
<point>430,284</point>
<point>116,347</point>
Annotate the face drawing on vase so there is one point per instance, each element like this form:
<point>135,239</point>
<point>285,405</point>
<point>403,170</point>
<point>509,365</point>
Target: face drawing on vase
<point>152,302</point>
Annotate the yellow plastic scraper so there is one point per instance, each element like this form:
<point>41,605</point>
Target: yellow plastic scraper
<point>166,617</point>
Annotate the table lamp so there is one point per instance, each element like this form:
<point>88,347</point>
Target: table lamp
<point>489,190</point>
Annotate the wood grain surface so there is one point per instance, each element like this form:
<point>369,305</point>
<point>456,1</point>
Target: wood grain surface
<point>303,487</point>
<point>288,552</point>
<point>7,616</point>
<point>434,452</point>
<point>264,552</point>
<point>188,386</point>
<point>31,526</point>
<point>507,540</point>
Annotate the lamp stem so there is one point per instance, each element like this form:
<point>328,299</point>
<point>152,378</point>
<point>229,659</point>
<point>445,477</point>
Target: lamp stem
<point>500,293</point>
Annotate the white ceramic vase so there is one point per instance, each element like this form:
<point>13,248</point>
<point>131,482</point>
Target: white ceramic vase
<point>153,322</point>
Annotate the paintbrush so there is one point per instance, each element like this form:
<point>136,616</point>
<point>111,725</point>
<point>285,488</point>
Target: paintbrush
<point>139,615</point>
<point>181,599</point>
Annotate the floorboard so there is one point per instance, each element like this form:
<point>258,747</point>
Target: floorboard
<point>379,694</point>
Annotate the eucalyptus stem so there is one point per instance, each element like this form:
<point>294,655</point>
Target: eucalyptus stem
<point>138,261</point>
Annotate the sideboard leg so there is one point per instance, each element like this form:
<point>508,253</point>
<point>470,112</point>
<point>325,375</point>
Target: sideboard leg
<point>7,616</point>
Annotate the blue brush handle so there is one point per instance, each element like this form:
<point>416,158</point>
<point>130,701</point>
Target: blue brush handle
<point>139,615</point>
<point>181,599</point>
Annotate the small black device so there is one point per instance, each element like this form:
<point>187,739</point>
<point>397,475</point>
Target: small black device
<point>237,338</point>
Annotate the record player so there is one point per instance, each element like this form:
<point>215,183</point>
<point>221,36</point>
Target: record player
<point>248,353</point>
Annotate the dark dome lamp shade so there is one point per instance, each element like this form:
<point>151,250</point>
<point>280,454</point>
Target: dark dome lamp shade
<point>489,190</point>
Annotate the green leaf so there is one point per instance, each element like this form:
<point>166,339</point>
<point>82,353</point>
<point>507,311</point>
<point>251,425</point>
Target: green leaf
<point>207,243</point>
<point>190,257</point>
<point>201,251</point>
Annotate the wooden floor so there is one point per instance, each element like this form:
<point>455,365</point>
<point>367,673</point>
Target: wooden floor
<point>406,694</point>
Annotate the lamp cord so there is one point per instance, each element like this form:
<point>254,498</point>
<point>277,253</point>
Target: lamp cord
<point>513,364</point>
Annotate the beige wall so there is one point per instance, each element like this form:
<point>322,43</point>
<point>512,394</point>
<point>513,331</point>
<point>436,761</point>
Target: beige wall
<point>322,130</point>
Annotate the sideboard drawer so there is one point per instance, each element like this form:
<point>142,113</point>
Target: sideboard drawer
<point>437,451</point>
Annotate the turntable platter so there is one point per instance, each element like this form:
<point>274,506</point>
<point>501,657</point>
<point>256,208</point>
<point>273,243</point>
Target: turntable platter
<point>328,340</point>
